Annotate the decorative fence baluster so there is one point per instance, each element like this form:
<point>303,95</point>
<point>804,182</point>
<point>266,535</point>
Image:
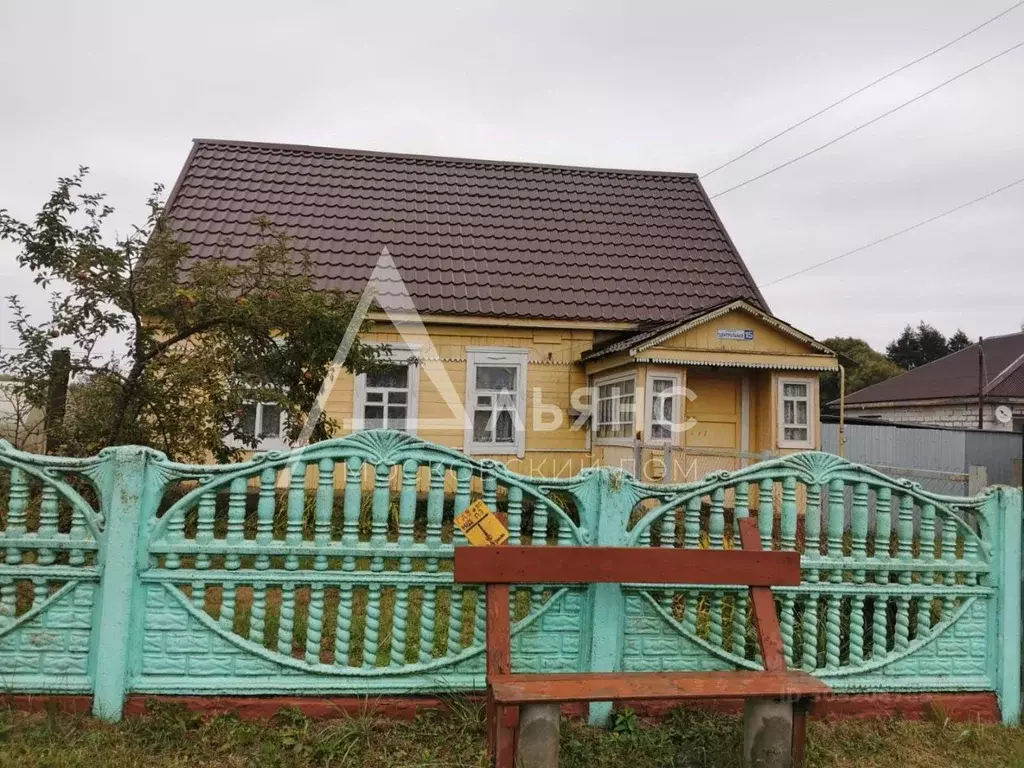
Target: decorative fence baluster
<point>351,511</point>
<point>204,527</point>
<point>343,634</point>
<point>236,523</point>
<point>428,621</point>
<point>17,504</point>
<point>324,512</point>
<point>314,623</point>
<point>371,634</point>
<point>286,620</point>
<point>265,516</point>
<point>787,525</point>
<point>296,511</point>
<point>399,636</point>
<point>380,508</point>
<point>716,522</point>
<point>766,512</point>
<point>836,517</point>
<point>407,515</point>
<point>859,529</point>
<point>48,523</point>
<point>515,516</point>
<point>691,525</point>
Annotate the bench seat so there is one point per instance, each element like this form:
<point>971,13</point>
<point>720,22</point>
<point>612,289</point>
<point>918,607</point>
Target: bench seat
<point>625,686</point>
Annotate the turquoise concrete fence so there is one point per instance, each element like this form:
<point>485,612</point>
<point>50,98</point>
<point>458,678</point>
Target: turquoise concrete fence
<point>327,570</point>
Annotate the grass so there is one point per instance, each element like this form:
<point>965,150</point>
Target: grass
<point>170,736</point>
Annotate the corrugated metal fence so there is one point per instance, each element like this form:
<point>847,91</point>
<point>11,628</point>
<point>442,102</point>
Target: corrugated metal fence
<point>939,459</point>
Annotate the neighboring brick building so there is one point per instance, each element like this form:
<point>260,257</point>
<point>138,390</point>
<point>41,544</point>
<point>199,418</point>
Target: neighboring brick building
<point>950,392</point>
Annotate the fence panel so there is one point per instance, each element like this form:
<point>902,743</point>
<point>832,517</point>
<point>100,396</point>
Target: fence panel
<point>328,570</point>
<point>325,571</point>
<point>50,538</point>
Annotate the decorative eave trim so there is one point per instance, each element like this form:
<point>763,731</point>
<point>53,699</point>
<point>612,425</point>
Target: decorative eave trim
<point>399,318</point>
<point>714,314</point>
<point>735,364</point>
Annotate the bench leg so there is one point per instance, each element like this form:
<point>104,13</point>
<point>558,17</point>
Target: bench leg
<point>506,721</point>
<point>538,735</point>
<point>768,733</point>
<point>800,709</point>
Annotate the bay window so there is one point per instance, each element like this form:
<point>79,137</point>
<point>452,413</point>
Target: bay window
<point>614,409</point>
<point>795,404</point>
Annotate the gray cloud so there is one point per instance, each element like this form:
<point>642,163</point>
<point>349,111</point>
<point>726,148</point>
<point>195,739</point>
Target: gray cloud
<point>124,87</point>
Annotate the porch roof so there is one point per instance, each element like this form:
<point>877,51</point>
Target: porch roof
<point>642,340</point>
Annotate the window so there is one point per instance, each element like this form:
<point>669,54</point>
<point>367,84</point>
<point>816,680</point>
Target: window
<point>496,400</point>
<point>615,409</point>
<point>795,413</point>
<point>387,398</point>
<point>264,422</point>
<point>662,397</point>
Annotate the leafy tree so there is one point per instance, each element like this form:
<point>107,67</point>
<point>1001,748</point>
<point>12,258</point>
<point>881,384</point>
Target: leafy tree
<point>194,339</point>
<point>871,367</point>
<point>917,346</point>
<point>958,341</point>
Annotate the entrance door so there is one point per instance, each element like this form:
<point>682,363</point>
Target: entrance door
<point>712,443</point>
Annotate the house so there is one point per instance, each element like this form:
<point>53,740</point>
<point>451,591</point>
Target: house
<point>978,387</point>
<point>538,294</point>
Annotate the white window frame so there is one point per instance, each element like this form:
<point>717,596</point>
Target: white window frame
<point>278,443</point>
<point>497,356</point>
<point>399,353</point>
<point>677,390</point>
<point>595,409</point>
<point>781,411</point>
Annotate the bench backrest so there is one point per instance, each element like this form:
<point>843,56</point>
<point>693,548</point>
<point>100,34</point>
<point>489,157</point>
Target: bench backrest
<point>498,567</point>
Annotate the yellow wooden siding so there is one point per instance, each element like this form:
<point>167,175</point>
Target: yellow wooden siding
<point>766,337</point>
<point>552,374</point>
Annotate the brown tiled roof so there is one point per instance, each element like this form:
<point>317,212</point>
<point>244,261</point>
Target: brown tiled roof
<point>471,236</point>
<point>956,375</point>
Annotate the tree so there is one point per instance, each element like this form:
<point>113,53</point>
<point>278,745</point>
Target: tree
<point>917,346</point>
<point>194,339</point>
<point>871,367</point>
<point>958,341</point>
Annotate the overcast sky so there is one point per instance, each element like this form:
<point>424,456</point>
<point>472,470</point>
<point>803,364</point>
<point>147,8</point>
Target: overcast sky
<point>125,86</point>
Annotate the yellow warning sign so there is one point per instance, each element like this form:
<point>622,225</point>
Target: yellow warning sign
<point>481,526</point>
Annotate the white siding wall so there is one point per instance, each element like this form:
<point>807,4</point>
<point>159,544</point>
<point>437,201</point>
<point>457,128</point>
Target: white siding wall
<point>962,416</point>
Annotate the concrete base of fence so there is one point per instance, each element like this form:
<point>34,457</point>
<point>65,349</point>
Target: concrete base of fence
<point>767,734</point>
<point>538,735</point>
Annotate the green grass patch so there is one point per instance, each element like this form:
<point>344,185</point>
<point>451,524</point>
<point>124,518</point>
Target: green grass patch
<point>170,736</point>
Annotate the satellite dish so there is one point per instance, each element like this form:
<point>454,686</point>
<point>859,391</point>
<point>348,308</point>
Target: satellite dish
<point>1003,414</point>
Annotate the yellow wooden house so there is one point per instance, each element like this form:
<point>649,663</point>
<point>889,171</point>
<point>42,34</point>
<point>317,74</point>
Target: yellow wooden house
<point>550,317</point>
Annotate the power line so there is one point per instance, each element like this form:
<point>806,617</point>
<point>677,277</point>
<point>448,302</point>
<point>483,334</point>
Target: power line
<point>865,125</point>
<point>861,90</point>
<point>895,234</point>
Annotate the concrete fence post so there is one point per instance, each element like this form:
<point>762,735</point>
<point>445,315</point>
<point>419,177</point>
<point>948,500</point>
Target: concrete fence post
<point>604,614</point>
<point>1003,514</point>
<point>124,491</point>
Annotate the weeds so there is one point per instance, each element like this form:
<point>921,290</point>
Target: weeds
<point>169,736</point>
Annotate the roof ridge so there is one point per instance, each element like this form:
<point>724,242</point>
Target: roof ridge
<point>443,158</point>
<point>1004,374</point>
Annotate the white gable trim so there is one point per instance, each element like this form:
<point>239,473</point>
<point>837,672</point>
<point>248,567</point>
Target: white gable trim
<point>721,312</point>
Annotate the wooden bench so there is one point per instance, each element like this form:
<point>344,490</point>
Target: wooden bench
<point>498,567</point>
